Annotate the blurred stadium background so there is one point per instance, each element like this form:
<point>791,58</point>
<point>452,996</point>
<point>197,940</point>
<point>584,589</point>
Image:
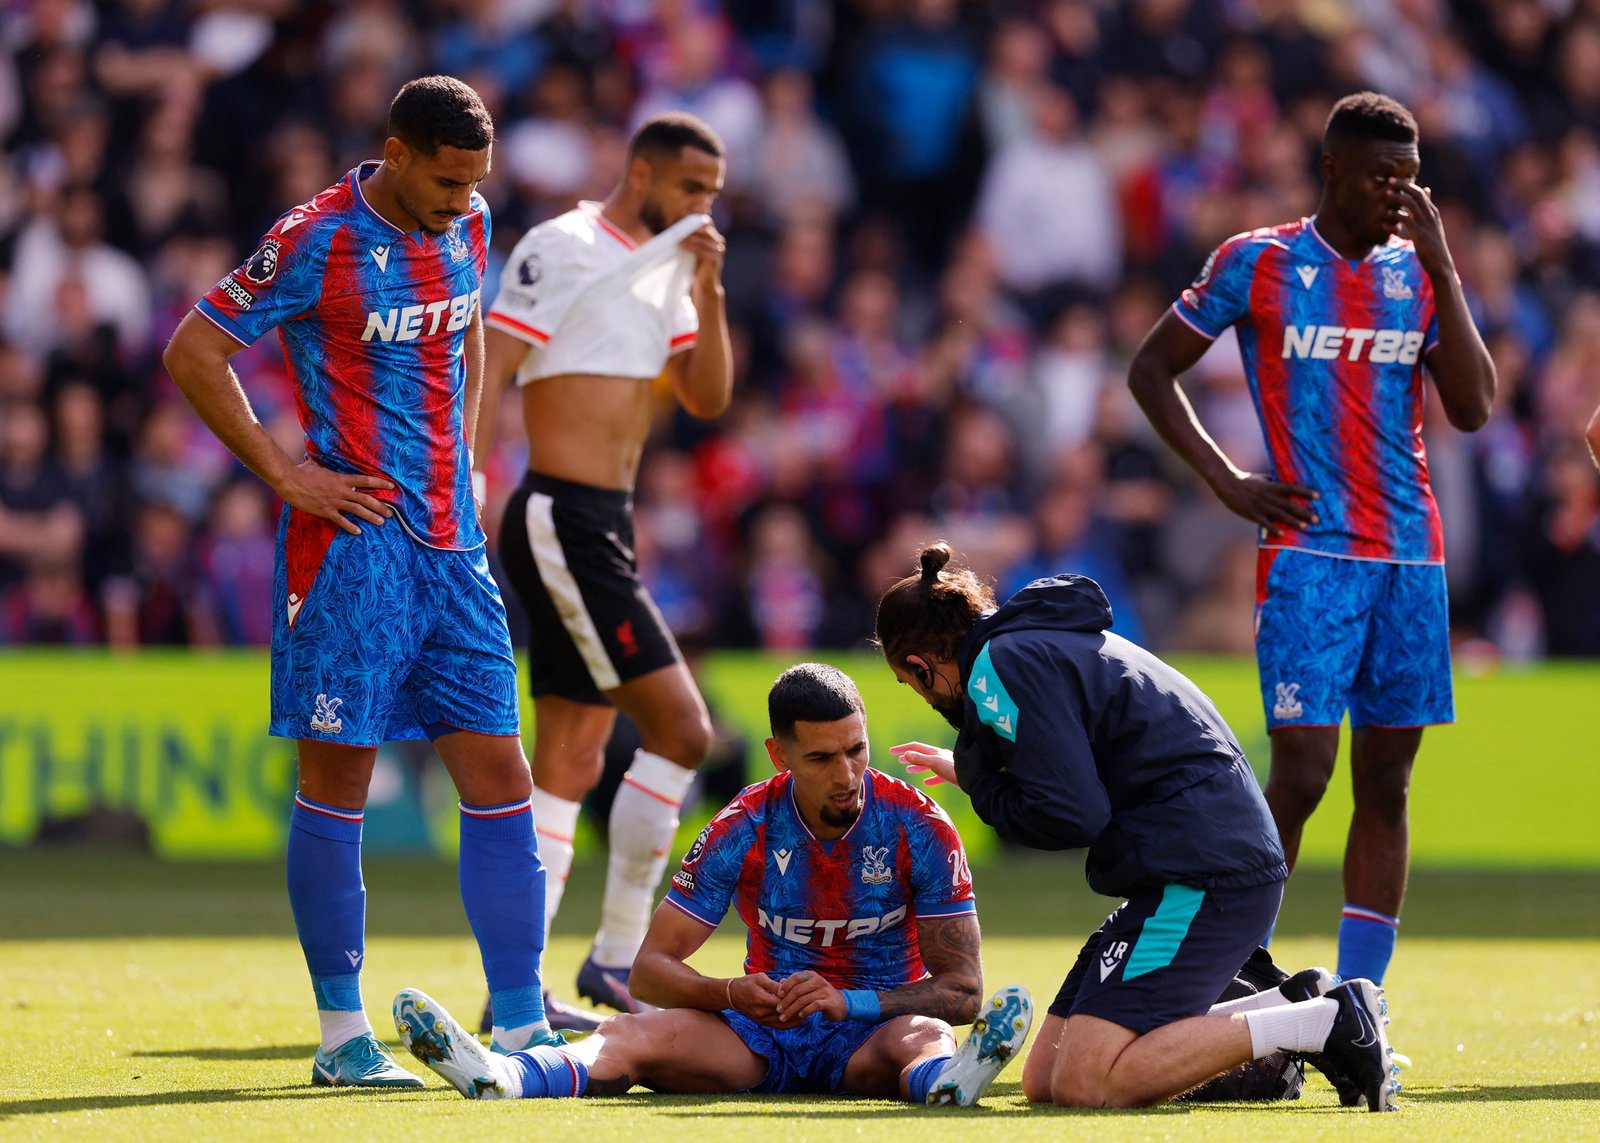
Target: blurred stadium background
<point>949,225</point>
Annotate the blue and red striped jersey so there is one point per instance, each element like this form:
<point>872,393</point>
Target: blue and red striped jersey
<point>1333,349</point>
<point>848,908</point>
<point>373,322</point>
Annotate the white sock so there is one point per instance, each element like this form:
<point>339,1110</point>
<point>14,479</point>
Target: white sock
<point>1301,1027</point>
<point>341,1027</point>
<point>555,821</point>
<point>644,820</point>
<point>1271,998</point>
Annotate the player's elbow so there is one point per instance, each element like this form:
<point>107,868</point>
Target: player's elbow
<point>706,408</point>
<point>180,358</point>
<point>1470,418</point>
<point>1148,376</point>
<point>646,984</point>
<point>966,998</point>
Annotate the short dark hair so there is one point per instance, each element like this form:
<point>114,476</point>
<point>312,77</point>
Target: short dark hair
<point>1369,115</point>
<point>811,692</point>
<point>930,613</point>
<point>663,136</point>
<point>440,111</point>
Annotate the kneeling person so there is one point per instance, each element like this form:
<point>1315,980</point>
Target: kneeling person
<point>862,946</point>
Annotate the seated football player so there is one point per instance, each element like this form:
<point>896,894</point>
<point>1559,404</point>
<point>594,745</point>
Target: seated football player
<point>862,946</point>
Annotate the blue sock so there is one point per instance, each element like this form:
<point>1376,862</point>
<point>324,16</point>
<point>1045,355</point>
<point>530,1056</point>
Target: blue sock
<point>1366,942</point>
<point>328,899</point>
<point>549,1073</point>
<point>922,1077</point>
<point>502,889</point>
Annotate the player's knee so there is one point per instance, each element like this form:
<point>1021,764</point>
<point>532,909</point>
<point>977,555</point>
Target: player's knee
<point>625,1044</point>
<point>925,1033</point>
<point>1298,786</point>
<point>1072,1090</point>
<point>684,737</point>
<point>1036,1081</point>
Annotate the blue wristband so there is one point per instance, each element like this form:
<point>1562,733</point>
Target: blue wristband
<point>861,1004</point>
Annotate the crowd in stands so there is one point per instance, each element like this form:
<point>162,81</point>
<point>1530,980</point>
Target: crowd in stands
<point>949,225</point>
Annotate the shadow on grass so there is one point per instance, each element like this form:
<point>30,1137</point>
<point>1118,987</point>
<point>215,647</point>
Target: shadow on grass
<point>262,1052</point>
<point>66,1104</point>
<point>1504,1093</point>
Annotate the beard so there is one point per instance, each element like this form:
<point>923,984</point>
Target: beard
<point>839,819</point>
<point>651,215</point>
<point>949,709</point>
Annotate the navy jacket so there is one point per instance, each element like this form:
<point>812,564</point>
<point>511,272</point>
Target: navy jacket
<point>1075,737</point>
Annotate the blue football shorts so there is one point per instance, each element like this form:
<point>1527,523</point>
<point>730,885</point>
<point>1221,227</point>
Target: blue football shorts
<point>1167,954</point>
<point>379,637</point>
<point>1365,636</point>
<point>810,1058</point>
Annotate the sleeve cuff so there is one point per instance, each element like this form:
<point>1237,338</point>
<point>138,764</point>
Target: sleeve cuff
<point>518,329</point>
<point>223,322</point>
<point>1194,324</point>
<point>692,909</point>
<point>936,910</point>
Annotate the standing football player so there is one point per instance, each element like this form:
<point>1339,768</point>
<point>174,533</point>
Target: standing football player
<point>862,945</point>
<point>1336,316</point>
<point>387,623</point>
<point>593,306</point>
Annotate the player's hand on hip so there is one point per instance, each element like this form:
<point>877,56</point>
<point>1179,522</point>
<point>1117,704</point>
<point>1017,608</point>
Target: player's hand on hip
<point>323,492</point>
<point>920,758</point>
<point>806,993</point>
<point>708,245</point>
<point>1266,502</point>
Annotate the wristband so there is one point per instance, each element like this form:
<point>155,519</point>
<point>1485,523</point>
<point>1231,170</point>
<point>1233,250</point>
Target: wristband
<point>861,1004</point>
<point>480,485</point>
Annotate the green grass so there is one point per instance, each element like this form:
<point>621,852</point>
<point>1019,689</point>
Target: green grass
<point>153,1001</point>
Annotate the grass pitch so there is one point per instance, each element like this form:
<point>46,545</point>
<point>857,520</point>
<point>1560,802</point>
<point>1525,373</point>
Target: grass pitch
<point>152,1001</point>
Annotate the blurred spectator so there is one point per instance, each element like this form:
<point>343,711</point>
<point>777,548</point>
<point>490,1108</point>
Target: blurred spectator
<point>38,520</point>
<point>1564,558</point>
<point>691,71</point>
<point>175,463</point>
<point>798,166</point>
<point>783,591</point>
<point>1071,537</point>
<point>49,607</point>
<point>908,110</point>
<point>93,480</point>
<point>64,252</point>
<point>236,561</point>
<point>548,154</point>
<point>1047,208</point>
<point>1018,68</point>
<point>160,601</point>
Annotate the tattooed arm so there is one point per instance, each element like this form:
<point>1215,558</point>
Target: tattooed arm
<point>951,991</point>
<point>953,988</point>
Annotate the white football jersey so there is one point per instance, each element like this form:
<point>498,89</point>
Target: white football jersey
<point>587,299</point>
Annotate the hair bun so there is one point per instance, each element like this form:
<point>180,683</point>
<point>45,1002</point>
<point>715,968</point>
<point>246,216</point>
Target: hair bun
<point>933,559</point>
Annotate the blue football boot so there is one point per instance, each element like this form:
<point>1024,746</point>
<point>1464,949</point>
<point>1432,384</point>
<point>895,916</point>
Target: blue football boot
<point>360,1062</point>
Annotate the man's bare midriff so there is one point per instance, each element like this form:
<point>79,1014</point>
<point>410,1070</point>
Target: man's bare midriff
<point>586,428</point>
